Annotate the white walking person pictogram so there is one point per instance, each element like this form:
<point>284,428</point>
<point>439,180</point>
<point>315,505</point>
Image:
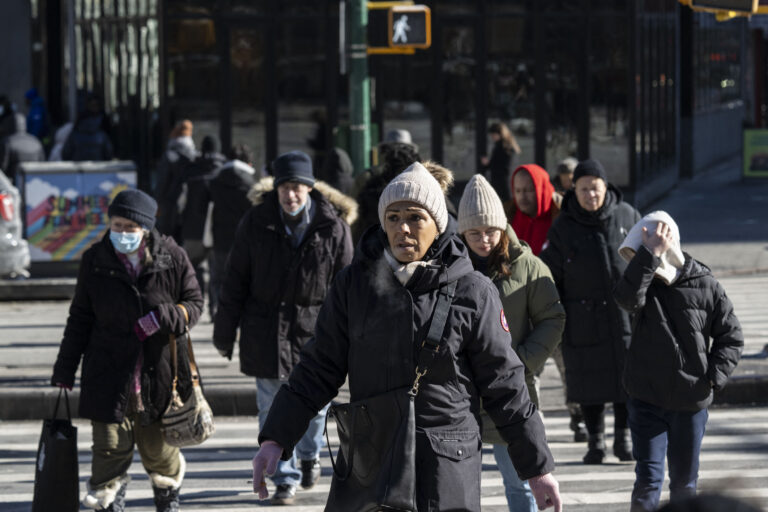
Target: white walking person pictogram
<point>400,28</point>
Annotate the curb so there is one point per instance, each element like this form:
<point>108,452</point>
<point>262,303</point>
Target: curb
<point>37,289</point>
<point>38,403</point>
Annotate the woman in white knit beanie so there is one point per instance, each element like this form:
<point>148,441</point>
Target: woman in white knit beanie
<point>409,276</point>
<point>535,317</point>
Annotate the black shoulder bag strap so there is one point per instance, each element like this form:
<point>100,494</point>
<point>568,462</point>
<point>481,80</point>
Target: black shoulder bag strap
<point>427,355</point>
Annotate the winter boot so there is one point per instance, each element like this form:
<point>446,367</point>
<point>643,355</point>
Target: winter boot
<point>622,445</point>
<point>110,498</point>
<point>577,426</point>
<point>166,500</point>
<point>596,449</point>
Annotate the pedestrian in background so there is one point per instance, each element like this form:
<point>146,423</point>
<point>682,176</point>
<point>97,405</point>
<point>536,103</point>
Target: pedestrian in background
<point>582,255</point>
<point>535,317</point>
<point>37,116</point>
<point>193,205</point>
<point>179,154</point>
<point>563,180</point>
<point>288,248</point>
<point>89,140</point>
<point>686,342</point>
<point>370,330</point>
<point>499,165</point>
<point>533,208</point>
<point>229,189</point>
<point>135,288</point>
<point>59,139</point>
<point>337,171</point>
<point>19,147</point>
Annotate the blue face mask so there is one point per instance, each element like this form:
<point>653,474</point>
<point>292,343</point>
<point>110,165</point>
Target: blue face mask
<point>293,214</point>
<point>126,243</point>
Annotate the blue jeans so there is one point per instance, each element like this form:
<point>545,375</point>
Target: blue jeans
<point>519,495</point>
<point>308,447</point>
<point>657,432</point>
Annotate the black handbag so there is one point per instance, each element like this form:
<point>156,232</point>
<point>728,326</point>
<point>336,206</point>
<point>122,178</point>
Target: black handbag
<point>375,468</point>
<point>57,485</point>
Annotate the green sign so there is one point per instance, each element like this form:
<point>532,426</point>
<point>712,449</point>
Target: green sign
<point>756,153</point>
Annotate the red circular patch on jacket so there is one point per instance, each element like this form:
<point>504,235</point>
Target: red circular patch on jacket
<point>504,324</point>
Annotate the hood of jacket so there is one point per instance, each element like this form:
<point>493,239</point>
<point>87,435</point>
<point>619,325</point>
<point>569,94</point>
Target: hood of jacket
<point>234,173</point>
<point>344,205</point>
<point>450,254</point>
<point>544,188</point>
<point>517,248</point>
<point>20,123</point>
<point>571,206</point>
<point>185,146</point>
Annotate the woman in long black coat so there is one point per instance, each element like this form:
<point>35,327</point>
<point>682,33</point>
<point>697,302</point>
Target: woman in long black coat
<point>582,252</point>
<point>370,331</point>
<point>135,288</point>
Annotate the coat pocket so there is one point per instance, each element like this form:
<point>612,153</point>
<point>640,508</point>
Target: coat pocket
<point>455,445</point>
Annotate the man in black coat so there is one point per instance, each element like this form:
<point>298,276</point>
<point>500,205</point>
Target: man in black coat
<point>287,250</point>
<point>19,147</point>
<point>686,342</point>
<point>581,250</point>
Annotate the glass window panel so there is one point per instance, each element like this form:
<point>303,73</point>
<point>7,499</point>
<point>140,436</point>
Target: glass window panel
<point>248,79</point>
<point>455,7</point>
<point>717,61</point>
<point>508,6</point>
<point>301,7</point>
<point>300,76</point>
<point>248,6</point>
<point>458,83</point>
<point>199,7</point>
<point>608,110</point>
<point>510,70</point>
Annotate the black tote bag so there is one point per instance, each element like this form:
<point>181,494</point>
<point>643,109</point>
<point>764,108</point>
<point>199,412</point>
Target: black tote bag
<point>57,485</point>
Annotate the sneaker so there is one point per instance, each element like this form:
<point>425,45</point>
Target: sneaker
<point>284,494</point>
<point>310,473</point>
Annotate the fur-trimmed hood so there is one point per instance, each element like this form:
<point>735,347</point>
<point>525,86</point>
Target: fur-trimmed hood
<point>345,205</point>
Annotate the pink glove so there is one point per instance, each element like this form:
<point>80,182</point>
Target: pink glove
<point>546,490</point>
<point>265,463</point>
<point>146,326</point>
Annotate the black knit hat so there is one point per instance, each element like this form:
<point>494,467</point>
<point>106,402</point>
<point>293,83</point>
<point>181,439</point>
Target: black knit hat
<point>293,166</point>
<point>590,168</point>
<point>134,205</point>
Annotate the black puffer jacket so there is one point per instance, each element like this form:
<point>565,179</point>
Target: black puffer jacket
<point>370,330</point>
<point>229,192</point>
<point>272,291</point>
<point>686,338</point>
<point>582,252</point>
<point>100,329</point>
<point>197,194</point>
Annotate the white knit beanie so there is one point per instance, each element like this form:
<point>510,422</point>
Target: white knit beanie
<point>672,260</point>
<point>480,205</point>
<point>416,184</point>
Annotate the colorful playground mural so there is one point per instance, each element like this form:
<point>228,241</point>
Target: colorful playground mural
<point>67,212</point>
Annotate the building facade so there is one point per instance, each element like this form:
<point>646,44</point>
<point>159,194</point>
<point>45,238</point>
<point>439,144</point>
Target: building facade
<point>650,88</point>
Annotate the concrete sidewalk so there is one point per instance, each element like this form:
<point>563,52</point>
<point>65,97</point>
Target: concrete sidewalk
<point>722,223</point>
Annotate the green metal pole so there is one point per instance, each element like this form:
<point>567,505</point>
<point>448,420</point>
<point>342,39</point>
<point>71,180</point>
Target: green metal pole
<point>359,86</point>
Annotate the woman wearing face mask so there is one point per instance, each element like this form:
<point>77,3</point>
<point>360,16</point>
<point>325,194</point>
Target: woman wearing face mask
<point>135,288</point>
<point>531,305</point>
<point>370,331</point>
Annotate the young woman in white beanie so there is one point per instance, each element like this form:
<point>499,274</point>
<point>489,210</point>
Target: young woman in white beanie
<point>686,342</point>
<point>370,332</point>
<point>535,317</point>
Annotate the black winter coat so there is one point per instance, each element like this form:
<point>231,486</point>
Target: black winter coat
<point>88,141</point>
<point>686,339</point>
<point>500,167</point>
<point>100,329</point>
<point>177,157</point>
<point>197,195</point>
<point>582,252</point>
<point>272,291</point>
<point>369,332</point>
<point>229,193</point>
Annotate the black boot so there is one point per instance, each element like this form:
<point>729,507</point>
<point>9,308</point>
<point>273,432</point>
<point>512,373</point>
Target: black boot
<point>577,426</point>
<point>622,445</point>
<point>596,449</point>
<point>166,500</point>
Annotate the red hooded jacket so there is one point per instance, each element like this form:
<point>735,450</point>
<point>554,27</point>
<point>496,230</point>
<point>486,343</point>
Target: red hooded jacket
<point>534,230</point>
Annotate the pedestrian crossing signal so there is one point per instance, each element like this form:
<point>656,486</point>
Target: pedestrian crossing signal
<point>410,26</point>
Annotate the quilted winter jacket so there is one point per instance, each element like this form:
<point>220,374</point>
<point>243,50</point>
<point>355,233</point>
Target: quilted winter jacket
<point>104,310</point>
<point>686,338</point>
<point>370,330</point>
<point>582,253</point>
<point>273,292</point>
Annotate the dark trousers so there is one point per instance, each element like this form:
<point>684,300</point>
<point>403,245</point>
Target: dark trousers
<point>657,432</point>
<point>594,417</point>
